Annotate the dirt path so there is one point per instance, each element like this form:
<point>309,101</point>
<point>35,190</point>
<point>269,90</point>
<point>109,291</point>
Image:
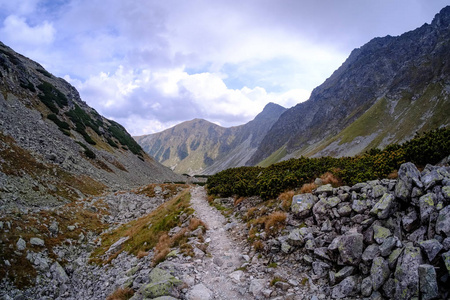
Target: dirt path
<point>219,272</point>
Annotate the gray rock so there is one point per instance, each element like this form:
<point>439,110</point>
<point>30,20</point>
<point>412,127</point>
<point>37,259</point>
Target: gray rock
<point>217,261</point>
<point>380,233</point>
<point>427,207</point>
<point>378,191</point>
<point>21,244</point>
<point>114,247</point>
<point>446,259</point>
<point>379,272</point>
<point>406,273</point>
<point>430,178</point>
<point>370,253</point>
<point>443,221</point>
<point>393,257</point>
<point>344,210</point>
<point>256,286</point>
<point>385,207</point>
<point>332,201</point>
<point>37,242</point>
<point>427,281</point>
<point>446,244</point>
<point>295,238</point>
<point>344,273</point>
<point>321,252</point>
<point>407,175</point>
<point>389,288</point>
<point>162,283</point>
<point>410,221</point>
<point>446,192</point>
<point>431,248</point>
<point>346,288</point>
<point>387,246</point>
<point>53,228</point>
<point>326,188</point>
<point>359,206</point>
<point>366,286</point>
<point>199,292</point>
<point>59,273</point>
<point>302,204</point>
<point>350,248</point>
<point>320,269</point>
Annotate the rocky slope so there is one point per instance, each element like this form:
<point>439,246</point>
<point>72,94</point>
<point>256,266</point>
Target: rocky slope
<point>55,148</point>
<point>201,147</point>
<point>385,92</point>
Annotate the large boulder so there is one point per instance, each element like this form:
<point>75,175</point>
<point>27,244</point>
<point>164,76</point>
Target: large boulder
<point>408,175</point>
<point>443,221</point>
<point>406,273</point>
<point>385,207</point>
<point>302,204</point>
<point>350,248</point>
<point>162,283</point>
<point>427,281</point>
<point>199,292</point>
<point>379,272</point>
<point>427,207</point>
<point>346,288</point>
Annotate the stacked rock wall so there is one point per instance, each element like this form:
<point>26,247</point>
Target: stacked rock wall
<point>383,238</point>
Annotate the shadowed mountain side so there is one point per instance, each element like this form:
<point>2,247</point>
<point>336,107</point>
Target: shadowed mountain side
<point>384,92</point>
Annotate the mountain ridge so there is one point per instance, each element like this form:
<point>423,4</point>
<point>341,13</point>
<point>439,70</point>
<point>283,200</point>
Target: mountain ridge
<point>220,147</point>
<point>65,146</point>
<point>395,68</point>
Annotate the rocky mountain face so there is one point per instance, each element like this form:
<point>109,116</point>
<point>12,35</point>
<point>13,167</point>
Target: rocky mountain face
<point>54,148</point>
<point>385,92</point>
<point>201,147</point>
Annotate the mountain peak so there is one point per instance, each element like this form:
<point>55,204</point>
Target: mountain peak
<point>442,19</point>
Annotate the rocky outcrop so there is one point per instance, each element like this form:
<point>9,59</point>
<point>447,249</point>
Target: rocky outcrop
<point>383,93</point>
<point>393,244</point>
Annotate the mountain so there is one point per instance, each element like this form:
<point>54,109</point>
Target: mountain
<point>201,147</point>
<point>385,92</point>
<point>54,148</point>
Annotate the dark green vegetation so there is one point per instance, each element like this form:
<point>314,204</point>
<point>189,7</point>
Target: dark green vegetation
<point>429,147</point>
<point>51,95</point>
<point>125,139</point>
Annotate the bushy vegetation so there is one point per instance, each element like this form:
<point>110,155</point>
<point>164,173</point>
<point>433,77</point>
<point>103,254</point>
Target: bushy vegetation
<point>117,131</point>
<point>429,147</point>
<point>82,120</point>
<point>51,95</point>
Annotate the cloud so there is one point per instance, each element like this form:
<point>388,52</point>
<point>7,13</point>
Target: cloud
<point>167,98</point>
<point>16,30</point>
<point>151,64</point>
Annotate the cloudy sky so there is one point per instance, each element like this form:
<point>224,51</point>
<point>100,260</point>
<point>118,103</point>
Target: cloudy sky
<point>150,64</point>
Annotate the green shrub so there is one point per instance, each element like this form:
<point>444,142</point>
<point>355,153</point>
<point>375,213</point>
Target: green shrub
<point>268,183</point>
<point>118,132</point>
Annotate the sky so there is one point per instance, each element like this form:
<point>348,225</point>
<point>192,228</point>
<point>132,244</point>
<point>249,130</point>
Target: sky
<point>151,64</point>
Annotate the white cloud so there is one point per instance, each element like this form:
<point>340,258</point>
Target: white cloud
<point>148,101</point>
<point>16,31</point>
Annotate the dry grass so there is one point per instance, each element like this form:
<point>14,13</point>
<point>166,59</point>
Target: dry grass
<point>329,177</point>
<point>308,188</point>
<point>145,232</point>
<point>275,222</point>
<point>238,200</point>
<point>286,200</point>
<point>180,239</point>
<point>141,254</point>
<point>393,175</point>
<point>121,294</point>
<point>258,246</point>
